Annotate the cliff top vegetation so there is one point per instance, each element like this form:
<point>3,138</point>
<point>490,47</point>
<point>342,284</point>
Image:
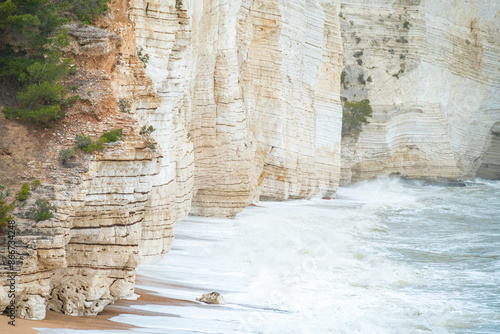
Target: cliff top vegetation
<point>32,37</point>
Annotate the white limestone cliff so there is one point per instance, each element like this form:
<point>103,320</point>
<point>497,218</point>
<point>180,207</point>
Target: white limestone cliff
<point>434,87</point>
<point>256,86</point>
<point>244,99</point>
<point>244,96</point>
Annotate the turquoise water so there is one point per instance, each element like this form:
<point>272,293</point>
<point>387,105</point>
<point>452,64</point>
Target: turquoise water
<point>387,256</point>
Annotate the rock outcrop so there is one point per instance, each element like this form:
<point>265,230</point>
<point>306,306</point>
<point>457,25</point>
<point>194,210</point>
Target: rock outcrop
<point>244,99</point>
<point>255,87</point>
<point>212,298</point>
<point>432,73</point>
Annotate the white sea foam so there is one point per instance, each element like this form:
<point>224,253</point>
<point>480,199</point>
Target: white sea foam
<point>386,257</point>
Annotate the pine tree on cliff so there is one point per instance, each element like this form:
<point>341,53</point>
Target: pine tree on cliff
<point>32,37</point>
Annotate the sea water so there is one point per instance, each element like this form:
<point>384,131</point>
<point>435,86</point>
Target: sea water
<point>386,256</point>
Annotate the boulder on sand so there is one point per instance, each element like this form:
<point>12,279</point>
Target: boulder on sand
<point>212,298</point>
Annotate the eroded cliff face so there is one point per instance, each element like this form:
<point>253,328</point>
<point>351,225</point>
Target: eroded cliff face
<point>244,96</point>
<point>254,85</point>
<point>244,99</point>
<point>116,207</point>
<point>432,75</point>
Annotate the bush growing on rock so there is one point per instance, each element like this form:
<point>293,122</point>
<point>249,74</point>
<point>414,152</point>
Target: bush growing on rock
<point>43,210</point>
<point>82,141</point>
<point>5,216</point>
<point>124,106</point>
<point>143,56</point>
<point>354,115</point>
<point>23,194</point>
<point>85,143</point>
<point>361,79</point>
<point>5,209</point>
<point>147,130</point>
<point>4,193</point>
<point>66,155</point>
<point>111,136</point>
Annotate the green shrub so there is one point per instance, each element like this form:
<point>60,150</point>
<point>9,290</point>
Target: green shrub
<point>144,57</point>
<point>42,98</point>
<point>406,25</point>
<point>369,79</point>
<point>402,39</point>
<point>359,61</point>
<point>5,216</point>
<point>41,103</point>
<point>95,146</point>
<point>85,143</point>
<point>5,209</point>
<point>4,193</point>
<point>36,183</point>
<point>147,130</point>
<point>82,141</point>
<point>43,210</point>
<point>124,106</point>
<point>358,54</point>
<point>66,155</point>
<point>401,71</point>
<point>354,115</point>
<point>33,25</point>
<point>32,39</point>
<point>72,69</point>
<point>361,79</point>
<point>178,4</point>
<point>23,194</point>
<point>87,10</point>
<point>111,136</point>
<point>342,77</point>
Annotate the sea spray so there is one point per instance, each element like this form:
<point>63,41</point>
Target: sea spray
<point>387,256</point>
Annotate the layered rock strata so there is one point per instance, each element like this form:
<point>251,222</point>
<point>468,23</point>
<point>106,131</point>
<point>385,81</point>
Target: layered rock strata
<point>255,84</point>
<point>432,74</point>
<point>244,100</point>
<point>244,97</point>
<point>116,207</point>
